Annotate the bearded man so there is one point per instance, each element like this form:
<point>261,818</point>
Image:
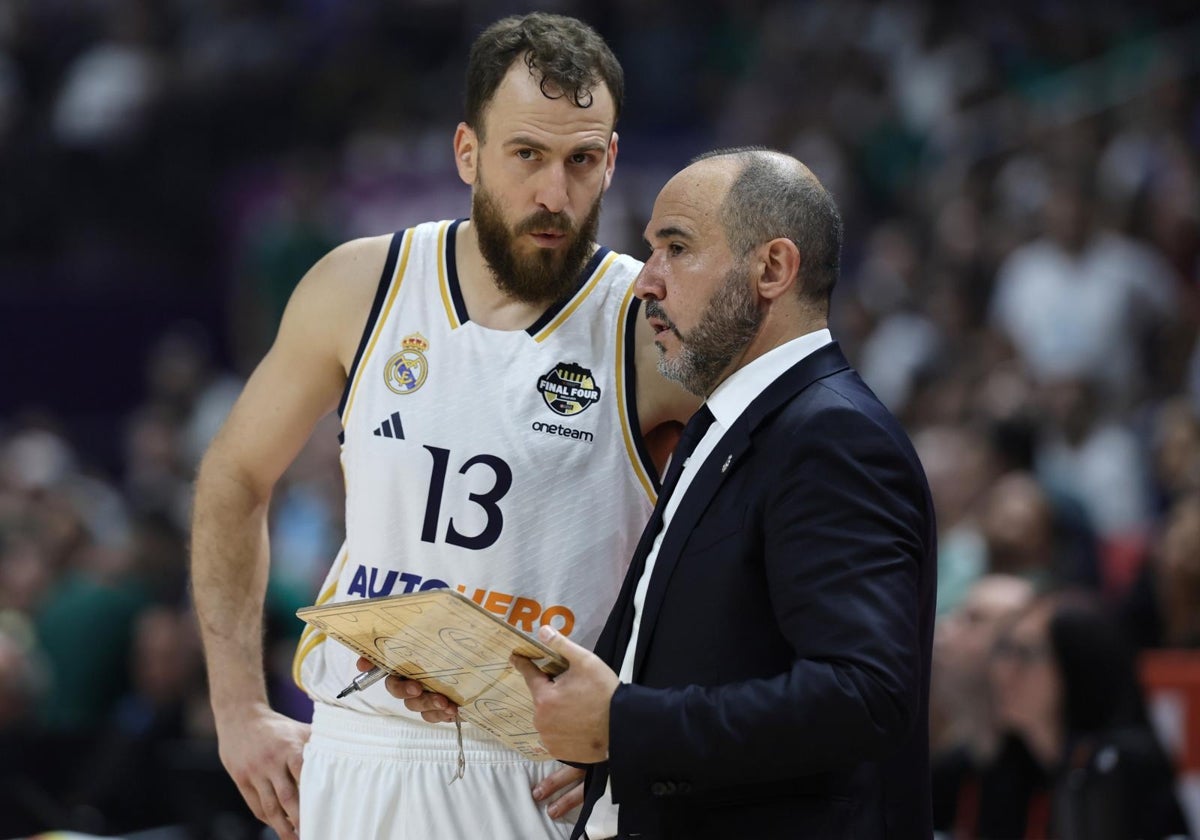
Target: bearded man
<point>765,670</point>
<point>501,414</point>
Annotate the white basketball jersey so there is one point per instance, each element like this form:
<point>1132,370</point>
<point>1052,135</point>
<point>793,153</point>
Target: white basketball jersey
<point>505,464</point>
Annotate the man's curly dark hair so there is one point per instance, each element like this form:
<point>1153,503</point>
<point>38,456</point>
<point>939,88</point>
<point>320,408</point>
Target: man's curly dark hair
<point>567,55</point>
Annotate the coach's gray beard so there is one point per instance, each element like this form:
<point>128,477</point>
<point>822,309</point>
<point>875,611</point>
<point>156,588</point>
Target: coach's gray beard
<point>728,325</point>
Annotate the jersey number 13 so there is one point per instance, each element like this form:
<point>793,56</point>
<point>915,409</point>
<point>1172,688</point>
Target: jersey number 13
<point>502,475</point>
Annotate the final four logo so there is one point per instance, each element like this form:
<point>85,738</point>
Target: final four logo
<point>568,388</point>
<point>406,371</point>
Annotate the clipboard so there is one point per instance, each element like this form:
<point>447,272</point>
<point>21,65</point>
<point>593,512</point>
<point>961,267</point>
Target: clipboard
<point>451,645</point>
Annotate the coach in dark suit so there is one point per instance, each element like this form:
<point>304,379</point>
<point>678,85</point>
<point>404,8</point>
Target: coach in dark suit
<point>773,634</point>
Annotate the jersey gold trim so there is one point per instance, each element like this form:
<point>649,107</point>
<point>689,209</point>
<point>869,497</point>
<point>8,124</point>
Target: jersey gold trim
<point>397,280</point>
<point>309,641</point>
<point>579,298</point>
<point>444,278</point>
<point>381,290</point>
<point>639,468</point>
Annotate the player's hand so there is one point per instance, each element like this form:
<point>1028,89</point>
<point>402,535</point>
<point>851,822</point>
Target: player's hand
<point>263,751</point>
<point>570,711</point>
<point>563,789</point>
<point>434,707</point>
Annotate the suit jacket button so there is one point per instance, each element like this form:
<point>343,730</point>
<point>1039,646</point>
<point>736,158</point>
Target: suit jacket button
<point>662,788</point>
<point>684,787</point>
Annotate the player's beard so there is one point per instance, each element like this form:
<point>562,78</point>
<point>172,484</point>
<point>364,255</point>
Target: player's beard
<point>546,274</point>
<point>727,326</point>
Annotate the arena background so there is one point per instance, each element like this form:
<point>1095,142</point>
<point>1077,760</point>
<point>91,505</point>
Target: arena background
<point>170,168</point>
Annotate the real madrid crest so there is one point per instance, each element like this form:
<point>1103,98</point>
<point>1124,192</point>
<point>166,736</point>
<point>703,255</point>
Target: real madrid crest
<point>568,388</point>
<point>405,372</point>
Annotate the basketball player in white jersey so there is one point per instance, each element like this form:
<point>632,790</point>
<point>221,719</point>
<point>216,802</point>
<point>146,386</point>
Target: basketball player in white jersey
<point>502,417</point>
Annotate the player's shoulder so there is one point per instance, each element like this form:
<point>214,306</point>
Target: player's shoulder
<point>355,255</point>
<point>352,268</point>
<point>376,247</point>
<point>615,271</point>
<point>624,265</point>
<point>341,285</point>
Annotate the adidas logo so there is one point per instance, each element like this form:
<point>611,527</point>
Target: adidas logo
<point>391,428</point>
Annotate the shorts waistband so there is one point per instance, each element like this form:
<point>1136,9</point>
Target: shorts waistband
<point>346,730</point>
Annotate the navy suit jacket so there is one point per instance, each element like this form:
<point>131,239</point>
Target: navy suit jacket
<point>781,678</point>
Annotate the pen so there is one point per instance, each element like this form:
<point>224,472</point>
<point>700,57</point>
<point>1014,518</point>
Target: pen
<point>363,680</point>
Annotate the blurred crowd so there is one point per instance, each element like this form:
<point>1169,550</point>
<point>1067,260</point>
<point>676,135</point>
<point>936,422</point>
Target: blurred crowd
<point>1021,190</point>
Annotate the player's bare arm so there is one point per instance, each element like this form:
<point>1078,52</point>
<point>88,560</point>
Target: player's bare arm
<point>297,383</point>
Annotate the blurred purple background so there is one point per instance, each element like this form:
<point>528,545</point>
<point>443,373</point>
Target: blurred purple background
<point>1021,189</point>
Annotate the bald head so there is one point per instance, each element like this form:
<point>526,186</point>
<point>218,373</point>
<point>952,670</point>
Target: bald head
<point>759,240</point>
<point>769,195</point>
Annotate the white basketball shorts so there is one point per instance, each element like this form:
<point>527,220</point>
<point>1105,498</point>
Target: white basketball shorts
<point>374,777</point>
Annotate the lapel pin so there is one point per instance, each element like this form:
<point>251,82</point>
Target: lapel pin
<point>728,461</point>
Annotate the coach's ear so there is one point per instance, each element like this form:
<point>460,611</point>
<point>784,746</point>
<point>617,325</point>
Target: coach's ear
<point>466,149</point>
<point>780,268</point>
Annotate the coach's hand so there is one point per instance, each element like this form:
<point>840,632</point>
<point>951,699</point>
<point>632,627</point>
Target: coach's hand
<point>434,707</point>
<point>570,711</point>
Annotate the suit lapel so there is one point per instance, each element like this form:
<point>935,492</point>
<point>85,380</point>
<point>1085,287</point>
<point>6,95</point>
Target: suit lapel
<point>695,501</point>
<point>721,462</point>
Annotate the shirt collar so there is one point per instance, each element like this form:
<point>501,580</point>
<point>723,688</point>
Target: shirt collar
<point>732,396</point>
